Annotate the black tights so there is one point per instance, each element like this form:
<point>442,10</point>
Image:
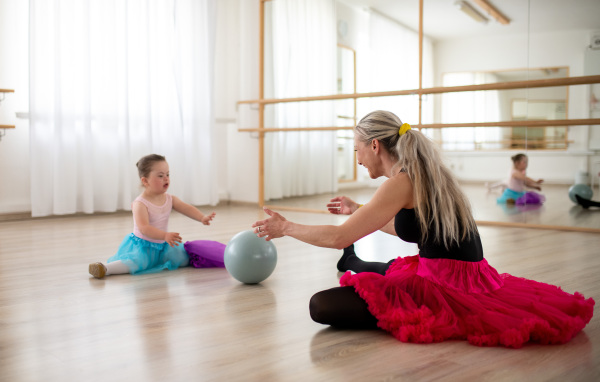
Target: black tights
<point>586,203</point>
<point>350,262</point>
<point>342,307</point>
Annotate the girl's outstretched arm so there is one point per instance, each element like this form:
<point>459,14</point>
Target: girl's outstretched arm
<point>535,184</point>
<point>191,211</point>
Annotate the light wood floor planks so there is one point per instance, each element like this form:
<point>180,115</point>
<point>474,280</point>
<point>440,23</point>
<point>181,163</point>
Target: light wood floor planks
<point>59,324</point>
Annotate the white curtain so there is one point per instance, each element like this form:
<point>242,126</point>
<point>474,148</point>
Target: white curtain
<point>303,57</point>
<point>470,107</point>
<point>112,81</point>
<point>389,60</point>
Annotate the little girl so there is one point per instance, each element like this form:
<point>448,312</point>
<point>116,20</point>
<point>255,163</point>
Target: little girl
<point>151,248</point>
<point>518,182</point>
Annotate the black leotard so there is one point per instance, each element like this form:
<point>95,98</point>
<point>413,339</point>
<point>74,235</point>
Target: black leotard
<point>408,229</point>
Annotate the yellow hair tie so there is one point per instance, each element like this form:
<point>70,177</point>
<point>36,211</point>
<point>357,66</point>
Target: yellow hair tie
<point>403,129</point>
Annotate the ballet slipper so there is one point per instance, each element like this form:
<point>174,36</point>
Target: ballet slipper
<point>98,270</point>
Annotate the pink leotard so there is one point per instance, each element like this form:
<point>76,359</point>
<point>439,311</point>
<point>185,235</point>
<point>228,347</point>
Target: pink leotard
<point>158,217</point>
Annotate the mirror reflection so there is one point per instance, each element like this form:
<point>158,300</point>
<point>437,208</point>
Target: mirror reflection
<point>504,105</point>
<point>377,50</point>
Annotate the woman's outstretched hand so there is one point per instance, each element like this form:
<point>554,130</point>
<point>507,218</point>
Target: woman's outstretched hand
<point>270,228</point>
<point>342,205</point>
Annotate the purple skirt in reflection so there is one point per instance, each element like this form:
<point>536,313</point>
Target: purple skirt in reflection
<point>530,197</point>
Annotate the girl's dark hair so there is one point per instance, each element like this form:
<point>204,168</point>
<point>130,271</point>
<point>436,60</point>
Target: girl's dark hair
<point>145,164</point>
<point>518,157</point>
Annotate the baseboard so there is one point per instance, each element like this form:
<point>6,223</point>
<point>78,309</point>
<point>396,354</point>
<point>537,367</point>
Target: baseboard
<point>15,216</point>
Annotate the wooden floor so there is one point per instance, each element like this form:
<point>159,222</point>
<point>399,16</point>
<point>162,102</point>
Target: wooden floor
<point>59,324</point>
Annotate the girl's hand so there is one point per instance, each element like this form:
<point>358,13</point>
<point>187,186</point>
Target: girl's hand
<point>342,205</point>
<point>173,238</point>
<point>208,218</point>
<point>270,228</point>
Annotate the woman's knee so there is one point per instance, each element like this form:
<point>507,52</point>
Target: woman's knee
<point>318,307</point>
<point>341,307</point>
<point>329,306</point>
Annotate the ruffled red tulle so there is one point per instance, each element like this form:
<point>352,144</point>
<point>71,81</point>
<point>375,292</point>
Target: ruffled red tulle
<point>431,300</point>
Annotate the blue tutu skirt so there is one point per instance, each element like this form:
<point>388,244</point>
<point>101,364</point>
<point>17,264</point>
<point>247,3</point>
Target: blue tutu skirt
<point>521,198</point>
<point>509,194</point>
<point>142,256</point>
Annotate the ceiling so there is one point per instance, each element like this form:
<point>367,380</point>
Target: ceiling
<point>442,20</point>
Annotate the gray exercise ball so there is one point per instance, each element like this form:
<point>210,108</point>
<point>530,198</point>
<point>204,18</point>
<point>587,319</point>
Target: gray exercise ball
<point>250,259</point>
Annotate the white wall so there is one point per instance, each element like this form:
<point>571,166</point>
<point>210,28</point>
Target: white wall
<point>558,167</point>
<point>350,23</point>
<point>14,147</point>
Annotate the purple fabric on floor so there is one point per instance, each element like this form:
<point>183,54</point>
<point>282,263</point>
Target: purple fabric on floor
<point>530,197</point>
<point>205,253</point>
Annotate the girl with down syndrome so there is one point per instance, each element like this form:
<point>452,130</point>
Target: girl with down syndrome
<point>446,292</point>
<point>151,247</point>
<point>516,191</point>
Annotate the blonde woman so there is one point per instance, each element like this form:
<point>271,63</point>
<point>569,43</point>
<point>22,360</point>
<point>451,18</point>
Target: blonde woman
<point>448,291</point>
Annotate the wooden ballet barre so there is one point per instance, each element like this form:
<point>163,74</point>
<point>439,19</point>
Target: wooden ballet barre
<point>7,126</point>
<point>277,129</point>
<point>567,81</point>
<point>297,209</point>
<point>532,141</point>
<point>527,123</point>
<point>537,226</point>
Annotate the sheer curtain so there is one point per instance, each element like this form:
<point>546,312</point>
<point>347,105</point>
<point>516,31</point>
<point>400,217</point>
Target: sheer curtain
<point>303,58</point>
<point>389,60</point>
<point>111,81</point>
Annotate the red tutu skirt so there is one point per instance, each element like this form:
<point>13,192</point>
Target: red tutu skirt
<point>431,300</point>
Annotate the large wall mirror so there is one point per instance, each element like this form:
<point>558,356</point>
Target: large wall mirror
<point>504,105</point>
<point>377,50</point>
